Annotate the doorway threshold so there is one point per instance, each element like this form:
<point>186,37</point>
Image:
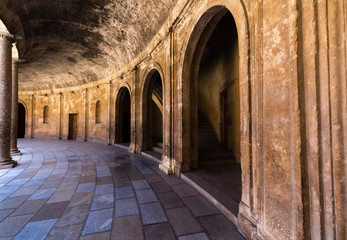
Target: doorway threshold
<point>154,155</point>
<point>123,145</point>
<point>225,200</point>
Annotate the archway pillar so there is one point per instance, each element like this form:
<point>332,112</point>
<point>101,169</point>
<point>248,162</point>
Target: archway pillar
<point>5,99</point>
<point>14,116</point>
<point>135,97</point>
<point>168,115</point>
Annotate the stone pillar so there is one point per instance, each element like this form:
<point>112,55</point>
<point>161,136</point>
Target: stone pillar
<point>5,100</point>
<point>14,117</point>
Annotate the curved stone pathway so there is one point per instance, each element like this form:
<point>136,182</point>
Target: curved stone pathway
<point>82,190</point>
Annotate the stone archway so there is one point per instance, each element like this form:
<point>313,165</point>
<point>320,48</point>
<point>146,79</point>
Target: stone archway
<point>222,55</point>
<point>123,114</point>
<point>21,120</point>
<point>153,111</point>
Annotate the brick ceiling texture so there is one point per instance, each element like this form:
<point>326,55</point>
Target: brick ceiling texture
<point>70,42</point>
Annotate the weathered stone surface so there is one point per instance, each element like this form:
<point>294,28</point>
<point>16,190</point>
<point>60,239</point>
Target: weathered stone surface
<point>286,73</point>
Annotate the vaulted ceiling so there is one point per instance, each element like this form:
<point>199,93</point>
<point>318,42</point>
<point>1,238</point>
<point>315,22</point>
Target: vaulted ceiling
<point>70,42</point>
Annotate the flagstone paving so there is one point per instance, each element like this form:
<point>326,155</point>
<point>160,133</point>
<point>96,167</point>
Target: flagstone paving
<point>81,190</point>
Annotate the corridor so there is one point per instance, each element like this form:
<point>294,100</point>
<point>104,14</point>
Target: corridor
<point>83,190</point>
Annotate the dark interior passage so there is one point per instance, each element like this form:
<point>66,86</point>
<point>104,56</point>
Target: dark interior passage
<point>216,112</point>
<point>72,126</point>
<point>21,121</point>
<point>157,115</point>
<point>126,117</point>
<point>153,106</point>
<point>123,116</point>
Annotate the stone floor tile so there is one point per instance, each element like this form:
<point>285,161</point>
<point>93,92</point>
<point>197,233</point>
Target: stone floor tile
<point>5,213</point>
<point>61,196</point>
<point>104,189</point>
<point>36,230</point>
<point>59,171</point>
<point>103,202</point>
<point>122,182</point>
<point>197,236</point>
<point>184,190</point>
<point>159,231</point>
<point>171,179</point>
<point>200,206</point>
<point>146,196</point>
<point>98,221</point>
<point>9,189</point>
<point>152,213</point>
<point>160,187</point>
<point>73,216</point>
<point>104,180</point>
<point>66,185</point>
<point>50,211</point>
<point>219,227</point>
<point>151,178</point>
<point>67,233</point>
<point>170,200</point>
<point>127,228</point>
<point>50,184</point>
<point>85,187</point>
<point>104,172</point>
<point>3,197</point>
<point>35,182</point>
<point>28,207</point>
<point>18,181</point>
<point>42,193</point>
<point>12,225</point>
<point>81,199</point>
<point>87,179</point>
<point>97,236</point>
<point>140,184</point>
<point>182,221</point>
<point>25,191</point>
<point>133,176</point>
<point>126,207</point>
<point>124,192</point>
<point>12,202</point>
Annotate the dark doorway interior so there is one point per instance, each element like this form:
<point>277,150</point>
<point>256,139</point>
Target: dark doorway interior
<point>72,126</point>
<point>123,113</point>
<point>126,118</point>
<point>215,114</point>
<point>155,115</point>
<point>21,121</point>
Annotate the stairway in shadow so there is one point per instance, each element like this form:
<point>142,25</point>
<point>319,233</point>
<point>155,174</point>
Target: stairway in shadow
<point>210,151</point>
<point>218,173</point>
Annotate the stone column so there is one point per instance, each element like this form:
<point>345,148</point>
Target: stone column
<point>5,100</point>
<point>14,117</point>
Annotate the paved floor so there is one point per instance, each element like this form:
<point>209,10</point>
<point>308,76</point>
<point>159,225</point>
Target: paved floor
<point>78,190</point>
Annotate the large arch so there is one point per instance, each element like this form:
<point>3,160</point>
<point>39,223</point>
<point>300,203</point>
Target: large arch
<point>123,116</point>
<point>152,109</point>
<point>202,27</point>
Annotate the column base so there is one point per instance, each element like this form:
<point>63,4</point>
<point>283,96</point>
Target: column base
<point>8,164</point>
<point>16,152</point>
<point>165,166</point>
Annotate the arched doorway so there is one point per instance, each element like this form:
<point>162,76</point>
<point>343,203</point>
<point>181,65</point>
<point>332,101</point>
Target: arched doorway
<point>153,112</point>
<point>212,118</point>
<point>21,120</point>
<point>123,113</point>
